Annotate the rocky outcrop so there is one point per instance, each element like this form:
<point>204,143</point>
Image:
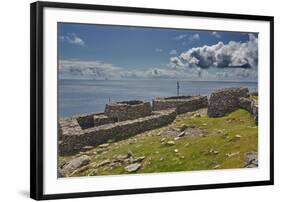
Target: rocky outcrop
<point>74,164</point>
<point>225,100</point>
<point>73,140</point>
<point>183,104</point>
<point>251,160</point>
<point>127,110</point>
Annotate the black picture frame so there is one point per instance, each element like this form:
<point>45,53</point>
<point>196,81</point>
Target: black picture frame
<point>36,99</point>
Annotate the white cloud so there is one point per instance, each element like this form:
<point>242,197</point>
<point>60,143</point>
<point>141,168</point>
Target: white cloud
<point>72,38</point>
<point>180,37</point>
<point>87,69</point>
<point>194,37</point>
<point>173,52</point>
<point>231,61</point>
<point>217,35</point>
<point>159,50</point>
<point>233,54</point>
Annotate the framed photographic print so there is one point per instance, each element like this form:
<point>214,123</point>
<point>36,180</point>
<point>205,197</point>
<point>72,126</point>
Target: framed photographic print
<point>135,100</point>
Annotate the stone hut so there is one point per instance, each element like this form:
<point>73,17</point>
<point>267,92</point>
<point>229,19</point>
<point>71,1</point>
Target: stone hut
<point>226,100</point>
<point>183,104</point>
<point>127,110</point>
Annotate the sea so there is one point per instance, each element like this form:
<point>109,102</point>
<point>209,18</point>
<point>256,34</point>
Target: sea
<point>85,96</point>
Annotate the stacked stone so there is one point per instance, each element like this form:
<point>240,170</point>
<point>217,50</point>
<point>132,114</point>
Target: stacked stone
<point>74,142</point>
<point>128,110</point>
<point>183,104</point>
<point>226,100</point>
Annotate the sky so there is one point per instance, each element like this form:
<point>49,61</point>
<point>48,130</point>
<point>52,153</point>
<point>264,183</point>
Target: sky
<point>89,51</point>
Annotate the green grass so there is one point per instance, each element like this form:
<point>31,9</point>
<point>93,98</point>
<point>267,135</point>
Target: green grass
<point>193,152</point>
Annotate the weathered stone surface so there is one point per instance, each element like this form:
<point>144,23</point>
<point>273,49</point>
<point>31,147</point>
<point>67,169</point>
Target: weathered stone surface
<point>73,141</point>
<point>245,103</point>
<point>183,104</point>
<point>251,160</point>
<point>138,159</point>
<point>226,100</point>
<point>255,111</point>
<point>128,110</point>
<point>74,164</point>
<point>171,143</point>
<point>133,167</point>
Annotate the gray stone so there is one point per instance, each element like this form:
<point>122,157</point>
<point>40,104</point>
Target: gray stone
<point>226,100</point>
<point>133,167</point>
<point>76,163</point>
<point>182,104</point>
<point>251,160</point>
<point>128,110</point>
<point>138,159</point>
<point>104,162</point>
<point>104,145</point>
<point>171,143</point>
<point>74,138</point>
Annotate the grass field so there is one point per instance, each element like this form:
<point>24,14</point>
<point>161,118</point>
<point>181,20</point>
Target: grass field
<point>220,143</point>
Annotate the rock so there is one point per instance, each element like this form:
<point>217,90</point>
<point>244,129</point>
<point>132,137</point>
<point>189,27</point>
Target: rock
<point>232,154</point>
<point>176,138</point>
<point>176,150</point>
<point>75,164</point>
<point>245,103</point>
<point>216,166</point>
<point>181,134</point>
<point>100,150</point>
<point>139,159</point>
<point>129,154</point>
<point>171,143</point>
<point>60,173</point>
<point>163,139</point>
<point>103,163</point>
<point>183,127</point>
<point>121,158</point>
<point>87,148</point>
<point>251,160</point>
<point>211,151</point>
<point>133,167</point>
<point>104,145</point>
<point>226,100</point>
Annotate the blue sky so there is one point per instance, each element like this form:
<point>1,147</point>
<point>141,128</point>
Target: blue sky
<point>118,52</point>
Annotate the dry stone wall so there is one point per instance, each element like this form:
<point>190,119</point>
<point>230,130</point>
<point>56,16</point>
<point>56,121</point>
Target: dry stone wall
<point>225,100</point>
<point>73,140</point>
<point>183,104</point>
<point>129,110</point>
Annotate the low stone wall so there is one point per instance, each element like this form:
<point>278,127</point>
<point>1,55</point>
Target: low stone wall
<point>255,112</point>
<point>88,120</point>
<point>246,103</point>
<point>251,106</point>
<point>73,139</point>
<point>127,110</point>
<point>183,104</point>
<point>225,100</point>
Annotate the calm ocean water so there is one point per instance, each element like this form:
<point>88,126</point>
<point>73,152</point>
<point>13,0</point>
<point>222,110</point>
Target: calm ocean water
<point>83,96</point>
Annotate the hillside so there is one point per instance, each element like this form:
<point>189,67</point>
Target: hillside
<point>192,142</point>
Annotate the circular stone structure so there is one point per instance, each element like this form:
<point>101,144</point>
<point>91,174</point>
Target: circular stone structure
<point>183,104</point>
<point>128,110</point>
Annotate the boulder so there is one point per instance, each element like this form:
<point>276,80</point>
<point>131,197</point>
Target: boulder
<point>133,167</point>
<point>74,164</point>
<point>225,100</point>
